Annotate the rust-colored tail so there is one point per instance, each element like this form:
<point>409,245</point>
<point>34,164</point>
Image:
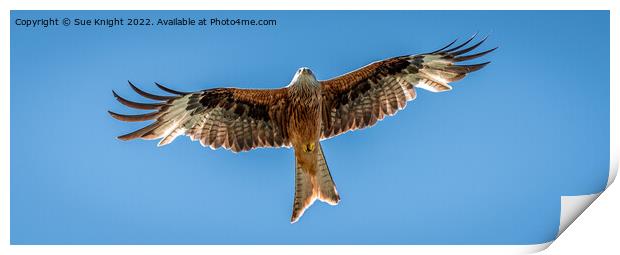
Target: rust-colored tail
<point>312,181</point>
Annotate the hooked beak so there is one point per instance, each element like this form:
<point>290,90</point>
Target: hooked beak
<point>305,71</point>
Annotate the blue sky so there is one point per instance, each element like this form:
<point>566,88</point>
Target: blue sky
<point>485,163</point>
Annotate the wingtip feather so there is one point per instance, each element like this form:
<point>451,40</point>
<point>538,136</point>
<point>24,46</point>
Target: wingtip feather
<point>169,90</point>
<point>474,56</point>
<point>134,118</point>
<point>463,51</point>
<point>443,48</point>
<point>148,95</point>
<point>462,44</point>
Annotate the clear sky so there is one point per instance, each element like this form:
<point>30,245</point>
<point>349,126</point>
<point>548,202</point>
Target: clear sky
<point>485,163</point>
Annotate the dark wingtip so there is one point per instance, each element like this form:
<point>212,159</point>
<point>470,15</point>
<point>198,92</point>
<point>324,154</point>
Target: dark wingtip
<point>463,51</point>
<point>136,105</point>
<point>169,90</point>
<point>476,67</point>
<point>124,137</point>
<point>464,69</point>
<point>134,118</point>
<point>462,44</point>
<point>149,95</point>
<point>443,48</point>
<point>473,56</point>
<point>136,89</point>
<point>112,113</point>
<point>117,115</point>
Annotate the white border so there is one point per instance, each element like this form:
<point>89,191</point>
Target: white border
<point>7,5</point>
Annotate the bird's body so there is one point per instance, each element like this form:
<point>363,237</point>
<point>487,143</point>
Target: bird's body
<point>301,114</point>
<point>304,95</point>
<point>312,177</point>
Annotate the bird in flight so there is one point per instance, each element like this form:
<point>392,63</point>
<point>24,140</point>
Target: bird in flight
<point>301,114</point>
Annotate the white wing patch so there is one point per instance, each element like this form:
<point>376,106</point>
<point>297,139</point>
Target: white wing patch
<point>433,86</point>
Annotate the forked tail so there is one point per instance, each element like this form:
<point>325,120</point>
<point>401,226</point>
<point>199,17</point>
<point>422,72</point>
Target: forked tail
<point>312,181</point>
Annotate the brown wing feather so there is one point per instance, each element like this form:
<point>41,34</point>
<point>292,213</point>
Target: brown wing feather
<point>236,119</point>
<point>361,98</point>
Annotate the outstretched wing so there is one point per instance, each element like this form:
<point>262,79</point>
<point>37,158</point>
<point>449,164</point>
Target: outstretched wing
<point>361,98</point>
<point>236,119</point>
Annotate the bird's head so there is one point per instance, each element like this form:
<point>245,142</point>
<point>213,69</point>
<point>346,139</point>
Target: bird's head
<point>305,77</point>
